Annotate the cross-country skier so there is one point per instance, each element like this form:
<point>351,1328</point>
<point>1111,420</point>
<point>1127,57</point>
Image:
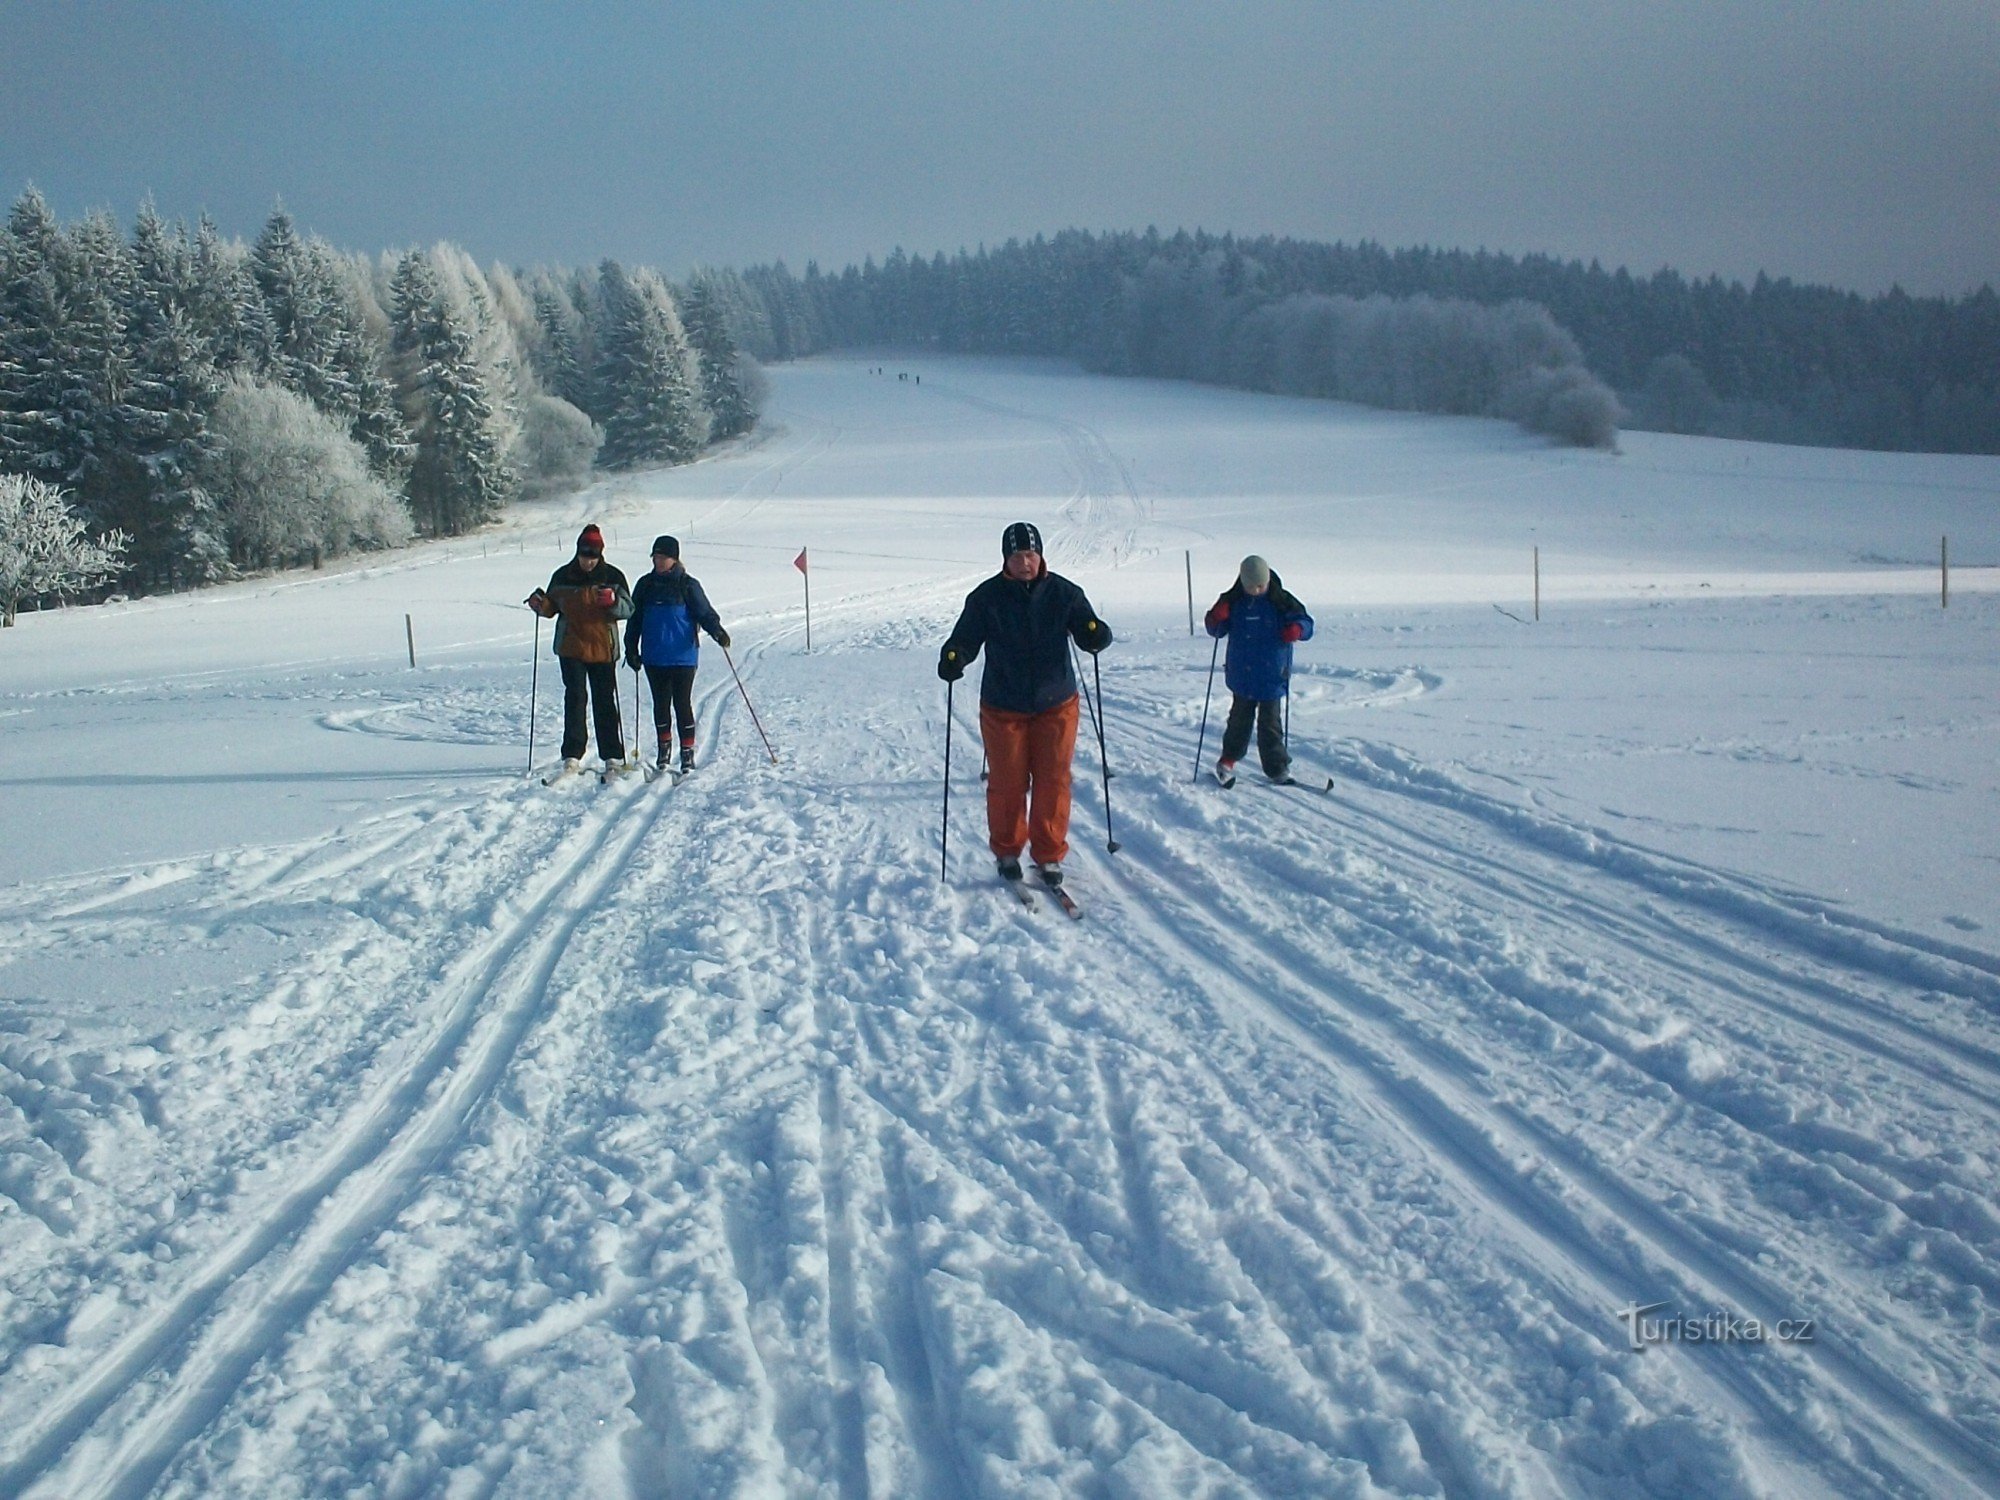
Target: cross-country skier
<point>1025,616</point>
<point>1262,622</point>
<point>667,607</point>
<point>586,597</point>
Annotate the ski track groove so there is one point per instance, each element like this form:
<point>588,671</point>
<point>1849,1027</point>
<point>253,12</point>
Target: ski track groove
<point>1504,880</point>
<point>409,1122</point>
<point>1869,1385</point>
<point>1444,1128</point>
<point>848,1434</point>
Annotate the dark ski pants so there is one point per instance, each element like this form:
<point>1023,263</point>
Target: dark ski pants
<point>673,698</point>
<point>1269,714</point>
<point>592,684</point>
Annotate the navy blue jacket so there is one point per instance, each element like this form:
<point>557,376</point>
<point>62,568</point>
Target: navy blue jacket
<point>1259,661</point>
<point>1026,629</point>
<point>666,608</point>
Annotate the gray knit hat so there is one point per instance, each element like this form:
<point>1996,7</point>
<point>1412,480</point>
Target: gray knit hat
<point>1255,572</point>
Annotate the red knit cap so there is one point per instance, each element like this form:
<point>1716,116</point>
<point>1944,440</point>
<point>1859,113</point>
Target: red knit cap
<point>590,539</point>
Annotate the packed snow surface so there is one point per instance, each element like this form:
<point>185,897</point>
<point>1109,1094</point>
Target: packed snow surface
<point>1593,1092</point>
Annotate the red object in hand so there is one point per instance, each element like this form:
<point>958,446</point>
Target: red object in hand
<point>1220,614</point>
<point>606,598</point>
<point>1292,634</point>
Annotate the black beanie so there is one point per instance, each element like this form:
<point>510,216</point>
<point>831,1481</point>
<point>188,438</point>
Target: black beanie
<point>1020,537</point>
<point>667,545</point>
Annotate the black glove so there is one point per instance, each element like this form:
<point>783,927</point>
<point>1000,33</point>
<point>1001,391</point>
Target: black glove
<point>632,657</point>
<point>950,667</point>
<point>722,639</point>
<point>1095,636</point>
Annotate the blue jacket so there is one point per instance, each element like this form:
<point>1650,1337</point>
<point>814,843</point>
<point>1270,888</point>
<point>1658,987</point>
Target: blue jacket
<point>1259,661</point>
<point>666,608</point>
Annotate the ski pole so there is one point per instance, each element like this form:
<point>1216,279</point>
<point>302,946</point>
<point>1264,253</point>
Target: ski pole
<point>1110,844</point>
<point>944,831</point>
<point>749,705</point>
<point>1093,713</point>
<point>632,756</point>
<point>1202,738</point>
<point>534,691</point>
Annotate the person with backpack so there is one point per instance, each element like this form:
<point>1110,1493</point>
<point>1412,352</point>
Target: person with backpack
<point>1262,622</point>
<point>1024,617</point>
<point>586,597</point>
<point>668,608</point>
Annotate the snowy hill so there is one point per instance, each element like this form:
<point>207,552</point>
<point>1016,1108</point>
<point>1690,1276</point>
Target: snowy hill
<point>377,1120</point>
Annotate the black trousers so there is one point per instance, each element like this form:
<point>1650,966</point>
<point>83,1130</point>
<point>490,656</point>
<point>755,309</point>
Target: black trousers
<point>1269,714</point>
<point>592,685</point>
<point>673,696</point>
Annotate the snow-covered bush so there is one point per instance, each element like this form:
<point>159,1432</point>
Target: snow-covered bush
<point>43,546</point>
<point>555,447</point>
<point>1566,402</point>
<point>292,485</point>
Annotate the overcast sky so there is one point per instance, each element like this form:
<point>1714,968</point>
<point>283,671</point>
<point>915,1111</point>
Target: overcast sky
<point>1855,142</point>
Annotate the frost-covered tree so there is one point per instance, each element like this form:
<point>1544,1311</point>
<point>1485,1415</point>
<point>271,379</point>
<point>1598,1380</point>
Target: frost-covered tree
<point>725,383</point>
<point>648,375</point>
<point>291,483</point>
<point>33,325</point>
<point>460,476</point>
<point>44,548</point>
<point>558,363</point>
<point>227,310</point>
<point>319,312</point>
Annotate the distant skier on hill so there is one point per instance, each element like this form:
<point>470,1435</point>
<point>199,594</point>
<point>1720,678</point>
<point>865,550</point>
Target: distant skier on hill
<point>667,607</point>
<point>1025,616</point>
<point>1262,623</point>
<point>586,596</point>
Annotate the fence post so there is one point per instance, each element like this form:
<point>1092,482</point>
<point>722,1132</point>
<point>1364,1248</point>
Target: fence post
<point>410,633</point>
<point>1189,555</point>
<point>1538,583</point>
<point>1944,572</point>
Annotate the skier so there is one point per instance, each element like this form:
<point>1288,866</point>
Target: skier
<point>667,606</point>
<point>1263,622</point>
<point>1025,616</point>
<point>586,597</point>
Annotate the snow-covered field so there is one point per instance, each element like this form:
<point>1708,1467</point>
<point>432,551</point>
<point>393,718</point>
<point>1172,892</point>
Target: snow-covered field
<point>377,1120</point>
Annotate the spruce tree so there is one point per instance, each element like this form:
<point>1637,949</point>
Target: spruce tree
<point>717,357</point>
<point>459,478</point>
<point>31,325</point>
<point>648,374</point>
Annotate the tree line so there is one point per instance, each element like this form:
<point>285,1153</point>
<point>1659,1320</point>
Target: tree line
<point>205,408</point>
<point>1566,348</point>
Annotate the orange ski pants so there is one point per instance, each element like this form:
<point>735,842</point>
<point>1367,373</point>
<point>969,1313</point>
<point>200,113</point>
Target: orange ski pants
<point>1027,782</point>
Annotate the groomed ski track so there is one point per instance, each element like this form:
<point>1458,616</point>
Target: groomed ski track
<point>694,1140</point>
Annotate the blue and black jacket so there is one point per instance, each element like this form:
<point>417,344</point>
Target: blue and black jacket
<point>1259,661</point>
<point>666,609</point>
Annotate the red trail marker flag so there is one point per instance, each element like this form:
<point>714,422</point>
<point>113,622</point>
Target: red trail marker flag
<point>799,562</point>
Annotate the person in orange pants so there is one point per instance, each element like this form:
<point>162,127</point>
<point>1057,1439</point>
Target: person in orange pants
<point>1024,617</point>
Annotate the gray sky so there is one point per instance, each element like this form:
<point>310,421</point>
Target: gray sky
<point>1855,142</point>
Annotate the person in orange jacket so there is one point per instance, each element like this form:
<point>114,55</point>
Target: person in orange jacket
<point>586,597</point>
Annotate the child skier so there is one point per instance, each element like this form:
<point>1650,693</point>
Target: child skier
<point>1262,623</point>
